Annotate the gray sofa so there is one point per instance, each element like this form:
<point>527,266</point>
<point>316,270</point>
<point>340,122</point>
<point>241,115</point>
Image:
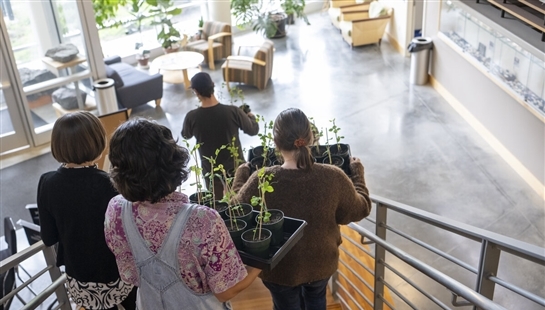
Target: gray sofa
<point>133,87</point>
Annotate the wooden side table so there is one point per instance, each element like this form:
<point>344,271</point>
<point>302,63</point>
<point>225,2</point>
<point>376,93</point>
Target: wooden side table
<point>56,67</point>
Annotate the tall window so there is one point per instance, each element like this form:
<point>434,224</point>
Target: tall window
<point>127,33</point>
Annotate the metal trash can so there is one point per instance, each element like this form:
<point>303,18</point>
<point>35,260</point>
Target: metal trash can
<point>420,58</point>
<point>105,96</point>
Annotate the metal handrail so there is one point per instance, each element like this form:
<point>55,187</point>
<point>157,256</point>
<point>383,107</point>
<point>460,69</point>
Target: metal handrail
<point>48,291</point>
<point>513,246</point>
<point>451,284</point>
<point>492,245</point>
<point>57,278</point>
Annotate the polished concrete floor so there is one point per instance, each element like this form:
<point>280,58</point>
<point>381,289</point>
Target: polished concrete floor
<point>415,148</point>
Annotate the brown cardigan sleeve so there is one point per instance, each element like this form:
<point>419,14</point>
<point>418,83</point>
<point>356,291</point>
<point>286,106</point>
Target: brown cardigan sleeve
<point>355,203</point>
<point>245,185</point>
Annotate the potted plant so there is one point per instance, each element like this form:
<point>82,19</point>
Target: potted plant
<point>233,150</point>
<point>341,149</point>
<point>316,149</point>
<point>257,240</point>
<point>213,203</point>
<point>201,196</point>
<point>263,16</point>
<point>168,35</point>
<point>330,158</point>
<point>294,8</point>
<point>237,215</point>
<point>261,155</point>
<point>143,58</point>
<point>138,10</point>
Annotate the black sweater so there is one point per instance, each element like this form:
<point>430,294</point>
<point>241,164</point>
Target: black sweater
<point>72,204</point>
<point>216,126</point>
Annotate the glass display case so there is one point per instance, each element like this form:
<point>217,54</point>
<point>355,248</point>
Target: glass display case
<point>521,72</point>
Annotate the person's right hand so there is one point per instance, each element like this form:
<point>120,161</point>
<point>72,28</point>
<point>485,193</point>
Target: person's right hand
<point>250,114</point>
<point>355,163</point>
<point>245,165</point>
<point>355,160</point>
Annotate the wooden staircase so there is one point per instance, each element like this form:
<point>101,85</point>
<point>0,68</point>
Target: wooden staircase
<point>257,297</point>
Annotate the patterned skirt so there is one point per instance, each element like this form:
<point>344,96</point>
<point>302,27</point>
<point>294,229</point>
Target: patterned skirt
<point>96,296</point>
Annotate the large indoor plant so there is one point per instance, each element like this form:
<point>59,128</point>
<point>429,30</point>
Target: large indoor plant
<point>168,35</point>
<point>264,16</point>
<point>294,8</point>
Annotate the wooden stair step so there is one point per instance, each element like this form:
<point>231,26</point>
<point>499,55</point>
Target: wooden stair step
<point>520,13</point>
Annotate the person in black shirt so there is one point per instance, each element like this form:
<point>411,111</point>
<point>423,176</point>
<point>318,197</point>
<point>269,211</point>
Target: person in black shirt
<point>72,202</point>
<point>214,124</point>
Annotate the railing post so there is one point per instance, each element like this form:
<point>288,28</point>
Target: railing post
<point>380,256</point>
<point>55,273</point>
<point>488,265</point>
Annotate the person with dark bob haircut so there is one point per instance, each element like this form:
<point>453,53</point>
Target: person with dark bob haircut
<point>72,202</point>
<point>322,195</point>
<point>158,238</point>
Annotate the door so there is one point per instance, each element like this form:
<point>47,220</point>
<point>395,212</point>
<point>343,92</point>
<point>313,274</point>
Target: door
<point>43,88</point>
<point>12,133</point>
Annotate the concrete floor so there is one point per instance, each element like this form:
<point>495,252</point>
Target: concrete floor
<point>415,148</point>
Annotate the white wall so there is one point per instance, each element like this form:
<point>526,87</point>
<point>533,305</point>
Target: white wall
<point>518,132</point>
<point>398,29</point>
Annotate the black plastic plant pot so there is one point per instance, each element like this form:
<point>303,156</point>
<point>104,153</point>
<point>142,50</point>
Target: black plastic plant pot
<point>255,245</point>
<point>259,162</point>
<point>275,225</point>
<point>245,214</point>
<point>259,151</point>
<point>318,151</point>
<point>206,197</point>
<point>345,155</point>
<point>236,228</point>
<point>219,206</point>
<point>293,232</point>
<point>335,161</point>
<point>340,149</point>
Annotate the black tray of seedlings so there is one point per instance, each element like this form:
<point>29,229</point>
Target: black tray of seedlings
<point>318,152</point>
<point>293,232</point>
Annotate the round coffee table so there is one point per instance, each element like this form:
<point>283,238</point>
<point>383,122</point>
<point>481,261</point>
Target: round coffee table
<point>179,61</point>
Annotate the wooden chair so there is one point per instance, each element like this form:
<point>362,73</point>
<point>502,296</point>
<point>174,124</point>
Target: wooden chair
<point>215,43</point>
<point>366,30</point>
<point>340,10</point>
<point>256,70</point>
<point>110,122</point>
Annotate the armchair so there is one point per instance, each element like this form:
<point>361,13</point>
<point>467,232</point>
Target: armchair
<point>367,30</point>
<point>340,10</point>
<point>256,70</point>
<point>215,43</point>
<point>133,87</point>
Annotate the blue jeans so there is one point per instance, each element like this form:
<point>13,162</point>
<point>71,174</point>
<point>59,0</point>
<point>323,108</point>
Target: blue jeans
<point>309,296</point>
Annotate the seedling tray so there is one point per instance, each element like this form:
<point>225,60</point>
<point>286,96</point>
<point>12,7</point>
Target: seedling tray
<point>345,167</point>
<point>293,231</point>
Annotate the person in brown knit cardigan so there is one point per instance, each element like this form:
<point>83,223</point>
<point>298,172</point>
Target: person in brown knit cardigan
<point>322,195</point>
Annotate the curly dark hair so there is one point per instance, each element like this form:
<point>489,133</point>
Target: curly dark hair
<point>146,162</point>
<point>291,125</point>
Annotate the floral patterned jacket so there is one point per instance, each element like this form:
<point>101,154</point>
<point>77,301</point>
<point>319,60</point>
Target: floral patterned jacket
<point>209,261</point>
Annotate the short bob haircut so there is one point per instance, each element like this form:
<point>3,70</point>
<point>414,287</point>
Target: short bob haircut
<point>77,138</point>
<point>146,162</point>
